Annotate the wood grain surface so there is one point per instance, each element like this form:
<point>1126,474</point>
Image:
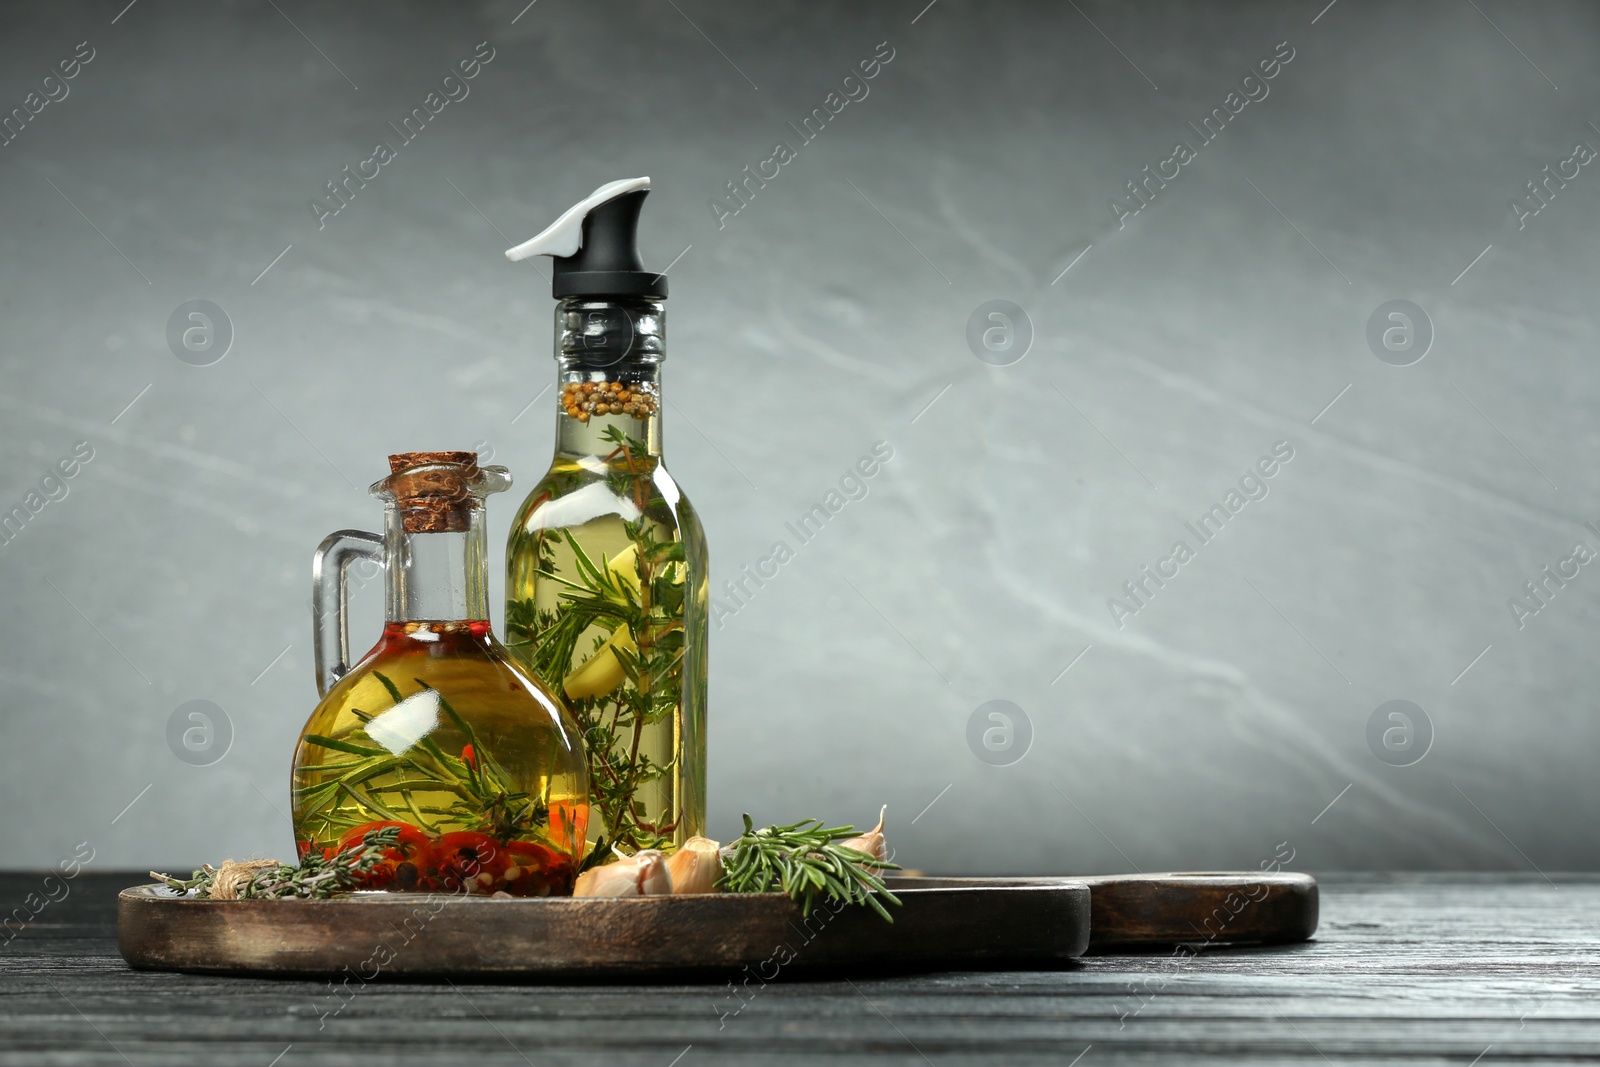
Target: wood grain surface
<point>1406,969</point>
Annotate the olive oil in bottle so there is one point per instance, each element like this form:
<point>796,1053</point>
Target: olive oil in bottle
<point>607,572</point>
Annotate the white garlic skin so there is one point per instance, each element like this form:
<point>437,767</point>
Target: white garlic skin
<point>644,874</point>
<point>873,843</point>
<point>696,866</point>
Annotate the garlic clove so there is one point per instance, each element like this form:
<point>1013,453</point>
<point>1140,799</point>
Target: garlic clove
<point>655,878</point>
<point>696,866</point>
<point>644,874</point>
<point>601,672</point>
<point>872,842</point>
<point>612,880</point>
<point>624,570</point>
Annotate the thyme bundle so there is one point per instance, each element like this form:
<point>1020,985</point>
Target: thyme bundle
<point>315,877</point>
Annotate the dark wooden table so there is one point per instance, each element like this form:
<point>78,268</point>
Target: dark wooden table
<point>1406,969</point>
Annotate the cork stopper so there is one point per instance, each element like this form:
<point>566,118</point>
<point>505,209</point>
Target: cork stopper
<point>434,490</point>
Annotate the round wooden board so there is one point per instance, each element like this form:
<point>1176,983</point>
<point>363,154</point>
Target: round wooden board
<point>977,924</point>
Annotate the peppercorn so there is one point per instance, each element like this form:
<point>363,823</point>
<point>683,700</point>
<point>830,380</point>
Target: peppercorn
<point>580,400</point>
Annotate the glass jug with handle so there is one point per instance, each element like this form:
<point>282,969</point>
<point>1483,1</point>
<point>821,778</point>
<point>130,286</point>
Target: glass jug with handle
<point>436,731</point>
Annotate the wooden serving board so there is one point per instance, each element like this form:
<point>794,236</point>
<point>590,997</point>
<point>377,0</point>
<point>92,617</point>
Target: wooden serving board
<point>942,924</point>
<point>974,925</point>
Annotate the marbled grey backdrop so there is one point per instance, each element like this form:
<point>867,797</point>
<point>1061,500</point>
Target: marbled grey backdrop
<point>1181,346</point>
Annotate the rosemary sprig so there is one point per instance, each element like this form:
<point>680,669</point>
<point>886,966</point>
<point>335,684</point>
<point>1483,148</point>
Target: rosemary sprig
<point>314,878</point>
<point>805,860</point>
<point>599,854</point>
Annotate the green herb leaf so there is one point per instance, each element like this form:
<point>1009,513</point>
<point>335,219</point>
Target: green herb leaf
<point>343,746</point>
<point>394,691</point>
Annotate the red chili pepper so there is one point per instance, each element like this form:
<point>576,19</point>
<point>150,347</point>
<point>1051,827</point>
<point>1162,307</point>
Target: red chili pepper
<point>539,871</point>
<point>402,865</point>
<point>468,858</point>
<point>569,826</point>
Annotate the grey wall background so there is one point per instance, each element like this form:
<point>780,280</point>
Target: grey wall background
<point>828,315</point>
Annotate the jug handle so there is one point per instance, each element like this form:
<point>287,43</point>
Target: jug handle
<point>330,600</point>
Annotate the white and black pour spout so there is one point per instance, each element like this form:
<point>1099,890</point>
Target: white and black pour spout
<point>594,245</point>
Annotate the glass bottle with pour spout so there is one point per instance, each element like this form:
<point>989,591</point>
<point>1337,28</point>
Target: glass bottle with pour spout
<point>607,572</point>
<point>436,730</point>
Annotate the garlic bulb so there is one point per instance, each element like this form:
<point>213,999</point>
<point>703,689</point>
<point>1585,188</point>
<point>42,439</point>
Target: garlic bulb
<point>872,842</point>
<point>644,874</point>
<point>696,866</point>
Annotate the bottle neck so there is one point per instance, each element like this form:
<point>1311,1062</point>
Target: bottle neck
<point>436,577</point>
<point>609,354</point>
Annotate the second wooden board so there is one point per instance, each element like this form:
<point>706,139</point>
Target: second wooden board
<point>1183,907</point>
